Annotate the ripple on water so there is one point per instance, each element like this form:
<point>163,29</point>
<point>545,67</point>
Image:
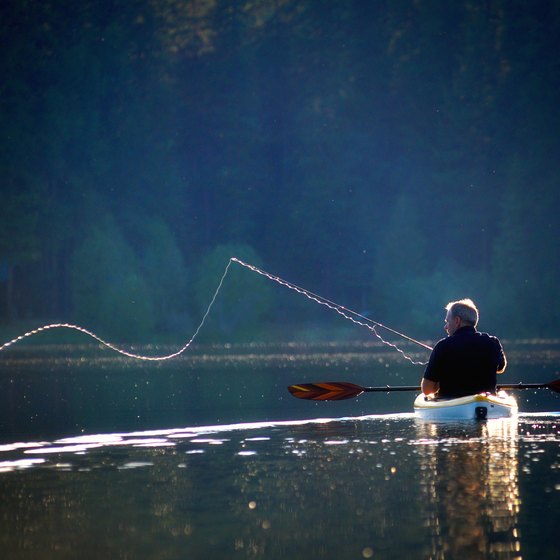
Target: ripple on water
<point>389,431</point>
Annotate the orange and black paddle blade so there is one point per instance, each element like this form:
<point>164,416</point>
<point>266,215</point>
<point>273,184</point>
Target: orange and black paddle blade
<point>326,391</point>
<point>554,385</point>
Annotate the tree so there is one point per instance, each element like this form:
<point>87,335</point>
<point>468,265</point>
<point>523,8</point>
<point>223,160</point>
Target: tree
<point>527,253</point>
<point>401,258</point>
<point>110,293</point>
<point>166,276</point>
<point>244,298</point>
<point>19,239</point>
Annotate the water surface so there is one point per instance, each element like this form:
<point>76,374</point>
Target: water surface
<point>105,458</point>
<point>379,486</point>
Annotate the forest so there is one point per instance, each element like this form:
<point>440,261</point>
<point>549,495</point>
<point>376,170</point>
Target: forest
<point>388,155</point>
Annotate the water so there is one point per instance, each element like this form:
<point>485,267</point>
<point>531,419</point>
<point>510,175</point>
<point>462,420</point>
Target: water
<point>210,457</point>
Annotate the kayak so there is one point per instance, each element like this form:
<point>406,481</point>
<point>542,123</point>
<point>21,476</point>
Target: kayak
<point>471,407</point>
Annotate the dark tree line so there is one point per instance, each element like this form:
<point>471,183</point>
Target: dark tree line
<point>388,155</point>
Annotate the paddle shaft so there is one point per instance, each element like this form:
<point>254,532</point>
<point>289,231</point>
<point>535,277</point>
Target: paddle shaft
<point>341,390</point>
<point>510,386</point>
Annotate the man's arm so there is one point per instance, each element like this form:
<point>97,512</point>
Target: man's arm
<point>503,368</point>
<point>502,360</point>
<point>433,368</point>
<point>429,387</point>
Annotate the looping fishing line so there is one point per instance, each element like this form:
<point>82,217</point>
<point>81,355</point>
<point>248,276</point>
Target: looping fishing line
<point>120,350</point>
<point>348,314</point>
<point>341,310</point>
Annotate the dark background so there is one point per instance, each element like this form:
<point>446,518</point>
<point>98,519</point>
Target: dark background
<point>390,156</point>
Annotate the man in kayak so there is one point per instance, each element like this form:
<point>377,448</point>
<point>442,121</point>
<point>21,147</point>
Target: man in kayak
<point>467,361</point>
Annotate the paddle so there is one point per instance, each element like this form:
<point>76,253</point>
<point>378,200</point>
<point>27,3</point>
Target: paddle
<point>340,390</point>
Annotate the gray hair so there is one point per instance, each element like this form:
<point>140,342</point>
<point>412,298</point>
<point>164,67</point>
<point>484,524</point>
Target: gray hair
<point>465,309</point>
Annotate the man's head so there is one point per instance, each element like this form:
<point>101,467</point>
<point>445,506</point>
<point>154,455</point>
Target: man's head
<point>460,314</point>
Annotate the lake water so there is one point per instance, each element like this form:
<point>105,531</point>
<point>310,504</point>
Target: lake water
<point>208,456</point>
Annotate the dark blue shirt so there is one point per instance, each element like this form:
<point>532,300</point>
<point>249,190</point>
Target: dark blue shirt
<point>465,363</point>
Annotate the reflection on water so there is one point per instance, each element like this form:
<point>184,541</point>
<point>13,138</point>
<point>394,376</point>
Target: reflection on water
<point>50,391</point>
<point>387,487</point>
<point>383,486</point>
<point>471,488</point>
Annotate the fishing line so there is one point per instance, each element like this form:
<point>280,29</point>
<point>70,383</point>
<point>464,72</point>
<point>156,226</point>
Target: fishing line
<point>120,350</point>
<point>348,314</point>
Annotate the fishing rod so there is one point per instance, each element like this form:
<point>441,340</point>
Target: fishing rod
<point>341,390</point>
<point>324,301</point>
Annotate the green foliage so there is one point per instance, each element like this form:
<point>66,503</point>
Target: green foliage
<point>244,298</point>
<point>402,247</point>
<point>166,275</point>
<point>19,235</point>
<point>131,294</point>
<point>358,145</point>
<point>527,253</point>
<point>110,294</point>
<point>416,302</point>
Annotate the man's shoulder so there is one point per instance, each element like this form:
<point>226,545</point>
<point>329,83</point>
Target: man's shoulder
<point>487,336</point>
<point>463,337</point>
<point>442,343</point>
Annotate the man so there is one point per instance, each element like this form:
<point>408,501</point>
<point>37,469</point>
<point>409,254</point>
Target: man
<point>467,361</point>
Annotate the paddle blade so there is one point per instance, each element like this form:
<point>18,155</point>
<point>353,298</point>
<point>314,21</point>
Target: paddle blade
<point>554,385</point>
<point>326,391</point>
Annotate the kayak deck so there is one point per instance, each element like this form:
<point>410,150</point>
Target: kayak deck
<point>471,407</point>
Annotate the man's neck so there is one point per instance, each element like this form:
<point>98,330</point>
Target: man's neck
<point>464,326</point>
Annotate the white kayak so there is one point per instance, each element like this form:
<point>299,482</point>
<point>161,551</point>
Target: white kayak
<point>472,407</point>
